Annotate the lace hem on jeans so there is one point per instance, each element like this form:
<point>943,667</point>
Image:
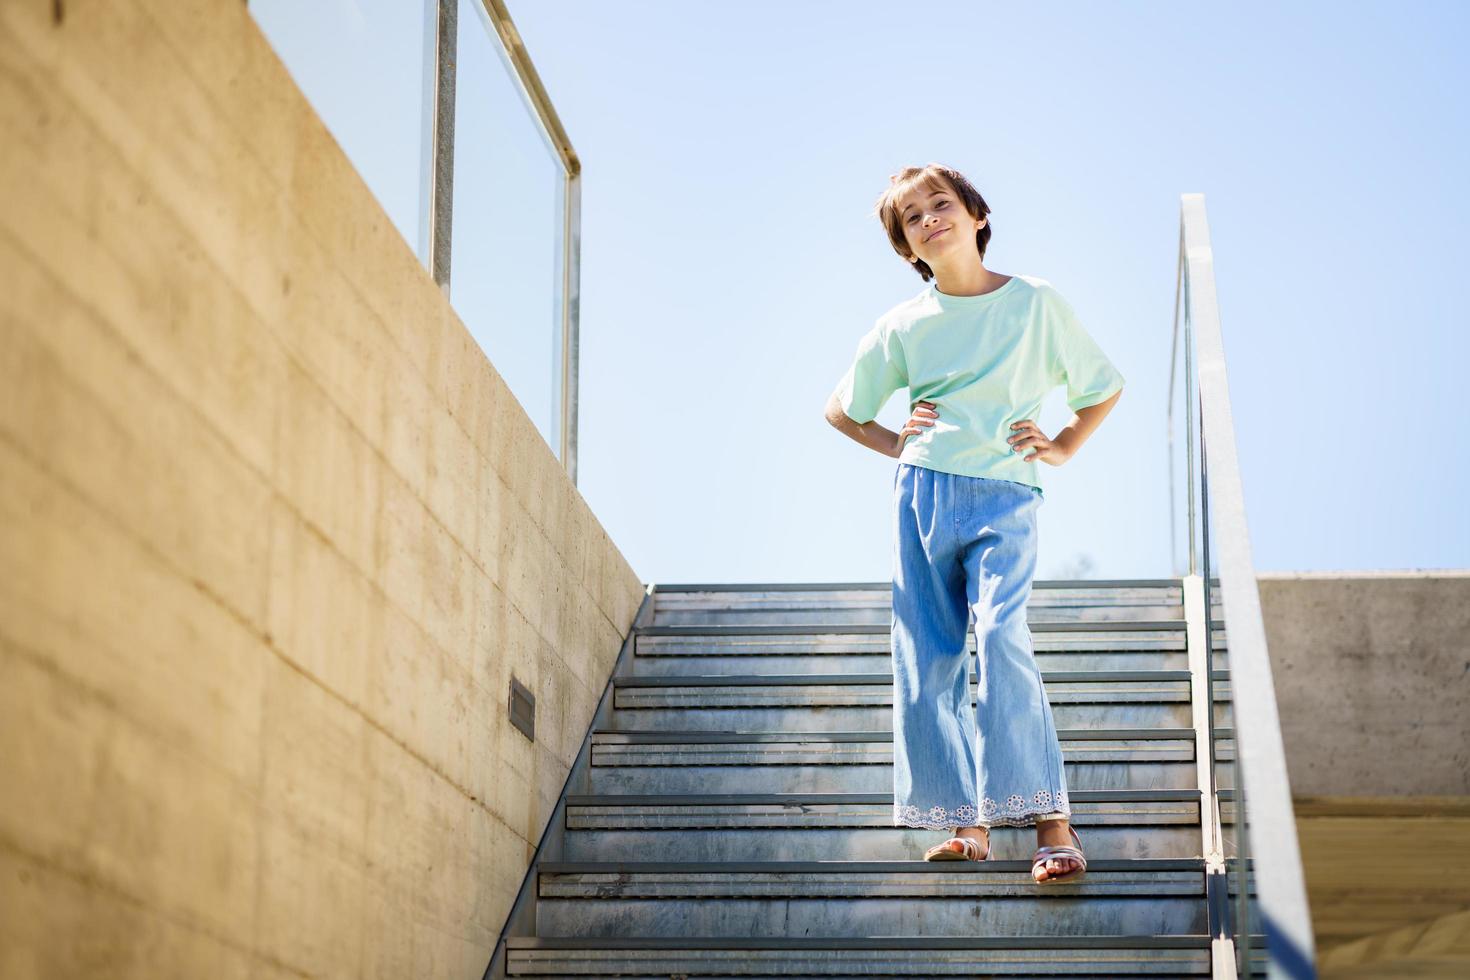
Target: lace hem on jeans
<point>934,818</point>
<point>1016,811</point>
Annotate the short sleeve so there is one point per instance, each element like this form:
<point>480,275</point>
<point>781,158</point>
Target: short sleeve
<point>1077,361</point>
<point>877,371</point>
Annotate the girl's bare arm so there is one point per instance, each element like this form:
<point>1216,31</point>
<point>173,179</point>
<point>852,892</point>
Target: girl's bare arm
<point>877,437</point>
<point>1071,438</point>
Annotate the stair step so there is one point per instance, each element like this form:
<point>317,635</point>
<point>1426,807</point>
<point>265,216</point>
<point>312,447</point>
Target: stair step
<point>873,603</point>
<point>874,777</point>
<point>859,898</point>
<point>821,702</point>
<point>836,661</point>
<point>798,635</point>
<point>700,640</point>
<point>797,827</point>
<point>696,641</point>
<point>1110,842</point>
<point>706,748</point>
<point>804,716</point>
<point>696,802</point>
<point>685,761</point>
<point>856,654</point>
<point>885,955</point>
<point>854,701</point>
<point>741,690</point>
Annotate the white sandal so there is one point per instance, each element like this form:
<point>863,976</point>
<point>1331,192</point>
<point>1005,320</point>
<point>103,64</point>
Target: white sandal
<point>1045,854</point>
<point>969,850</point>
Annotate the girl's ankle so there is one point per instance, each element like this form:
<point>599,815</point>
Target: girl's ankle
<point>1054,830</point>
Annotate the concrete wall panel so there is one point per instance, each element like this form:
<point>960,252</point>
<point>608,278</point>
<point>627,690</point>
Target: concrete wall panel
<point>274,537</point>
<point>1372,673</point>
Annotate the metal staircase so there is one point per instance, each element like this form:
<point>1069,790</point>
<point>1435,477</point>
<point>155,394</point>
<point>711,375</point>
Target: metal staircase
<point>730,814</point>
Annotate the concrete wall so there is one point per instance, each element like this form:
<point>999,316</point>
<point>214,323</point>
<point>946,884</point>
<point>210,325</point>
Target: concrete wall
<point>1372,674</point>
<point>274,537</point>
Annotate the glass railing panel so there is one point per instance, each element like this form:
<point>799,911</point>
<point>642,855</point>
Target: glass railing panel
<point>1181,424</point>
<point>509,196</point>
<point>367,68</point>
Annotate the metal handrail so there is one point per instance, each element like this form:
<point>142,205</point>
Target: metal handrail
<point>1260,754</point>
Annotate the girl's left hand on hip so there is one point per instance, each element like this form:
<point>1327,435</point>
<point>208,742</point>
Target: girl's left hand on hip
<point>1029,436</point>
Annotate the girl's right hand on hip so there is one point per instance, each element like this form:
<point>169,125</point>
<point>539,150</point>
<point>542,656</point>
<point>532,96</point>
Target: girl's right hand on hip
<point>923,416</point>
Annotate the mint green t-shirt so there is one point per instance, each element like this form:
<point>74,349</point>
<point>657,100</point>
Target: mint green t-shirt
<point>985,362</point>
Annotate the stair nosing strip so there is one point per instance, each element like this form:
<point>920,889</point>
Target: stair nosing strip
<point>687,736</point>
<point>1110,941</point>
<point>1139,865</point>
<point>836,799</point>
<point>845,629</point>
<point>850,679</point>
<point>1041,583</point>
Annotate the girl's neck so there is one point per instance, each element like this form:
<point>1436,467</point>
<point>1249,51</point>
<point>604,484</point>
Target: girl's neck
<point>969,278</point>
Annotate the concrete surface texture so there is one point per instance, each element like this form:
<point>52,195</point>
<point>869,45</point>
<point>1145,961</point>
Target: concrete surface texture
<point>1372,673</point>
<point>274,537</point>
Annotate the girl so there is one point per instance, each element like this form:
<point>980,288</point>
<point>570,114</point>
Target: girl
<point>978,351</point>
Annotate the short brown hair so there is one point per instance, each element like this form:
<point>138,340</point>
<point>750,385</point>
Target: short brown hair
<point>934,175</point>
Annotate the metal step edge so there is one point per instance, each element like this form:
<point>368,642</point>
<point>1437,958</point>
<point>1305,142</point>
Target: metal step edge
<point>833,680</point>
<point>859,942</point>
<point>1171,641</point>
<point>1184,891</point>
<point>1122,865</point>
<point>874,819</point>
<point>897,942</point>
<point>1179,954</point>
<point>1122,595</point>
<point>685,736</point>
<point>766,755</point>
<point>1041,583</point>
<point>645,700</point>
<point>854,629</point>
<point>686,656</point>
<point>837,799</point>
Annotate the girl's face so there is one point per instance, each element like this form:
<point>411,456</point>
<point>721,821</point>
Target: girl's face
<point>935,221</point>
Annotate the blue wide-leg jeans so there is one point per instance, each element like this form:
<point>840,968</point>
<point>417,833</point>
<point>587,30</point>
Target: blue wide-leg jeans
<point>964,552</point>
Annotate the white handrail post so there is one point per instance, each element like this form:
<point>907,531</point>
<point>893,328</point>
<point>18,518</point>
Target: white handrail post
<point>1277,867</point>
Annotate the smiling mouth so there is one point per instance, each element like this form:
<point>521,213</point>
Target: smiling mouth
<point>936,234</point>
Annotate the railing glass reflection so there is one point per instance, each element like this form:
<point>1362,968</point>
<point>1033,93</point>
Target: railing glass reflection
<point>438,106</point>
<point>367,67</point>
<point>509,193</point>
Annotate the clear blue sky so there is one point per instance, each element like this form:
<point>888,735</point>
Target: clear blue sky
<point>730,262</point>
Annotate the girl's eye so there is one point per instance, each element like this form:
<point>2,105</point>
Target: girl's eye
<point>942,204</point>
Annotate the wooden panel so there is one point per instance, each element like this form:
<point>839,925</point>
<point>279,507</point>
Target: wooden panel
<point>1375,866</point>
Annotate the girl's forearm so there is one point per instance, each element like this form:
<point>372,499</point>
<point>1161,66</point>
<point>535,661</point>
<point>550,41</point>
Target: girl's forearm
<point>876,437</point>
<point>1083,423</point>
<point>870,434</point>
